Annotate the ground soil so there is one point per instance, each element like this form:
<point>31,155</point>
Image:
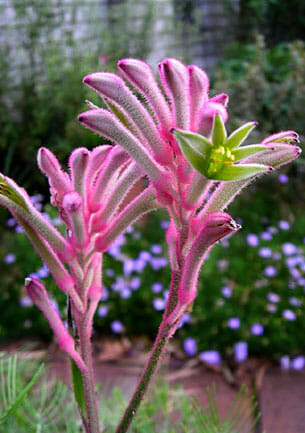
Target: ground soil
<point>281,393</point>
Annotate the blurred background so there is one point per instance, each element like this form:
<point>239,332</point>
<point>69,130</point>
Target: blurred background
<point>251,296</point>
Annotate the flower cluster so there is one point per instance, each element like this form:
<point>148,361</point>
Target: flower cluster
<point>169,150</point>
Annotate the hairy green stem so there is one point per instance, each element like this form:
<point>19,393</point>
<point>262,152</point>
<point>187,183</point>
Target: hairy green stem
<point>159,347</point>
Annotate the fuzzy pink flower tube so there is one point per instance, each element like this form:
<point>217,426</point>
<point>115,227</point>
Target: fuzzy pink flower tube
<point>194,167</point>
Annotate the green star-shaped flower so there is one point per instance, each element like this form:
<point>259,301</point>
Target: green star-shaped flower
<point>219,157</point>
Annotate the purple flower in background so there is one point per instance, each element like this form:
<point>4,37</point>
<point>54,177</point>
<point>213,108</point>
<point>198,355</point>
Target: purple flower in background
<point>266,236</point>
<point>164,224</point>
<point>273,297</point>
<point>185,319</point>
<point>157,287</point>
<point>271,308</point>
<point>125,293</point>
<point>211,357</point>
<point>43,272</point>
<point>25,301</point>
<point>257,329</point>
<point>139,265</point>
<point>19,229</point>
<point>159,304</point>
<point>289,248</point>
<point>109,272</point>
<point>272,230</point>
<point>156,249</point>
<point>277,256</point>
<point>11,222</point>
<point>234,323</point>
<point>289,315</point>
<point>284,225</point>
<point>105,294</point>
<point>190,346</point>
<point>283,178</point>
<point>226,292</point>
<point>158,263</point>
<point>270,271</point>
<point>117,327</point>
<point>252,240</point>
<point>298,363</point>
<point>285,362</point>
<point>165,294</point>
<point>265,252</point>
<point>241,351</point>
<point>135,283</point>
<point>145,255</point>
<point>128,266</point>
<point>103,311</point>
<point>10,258</point>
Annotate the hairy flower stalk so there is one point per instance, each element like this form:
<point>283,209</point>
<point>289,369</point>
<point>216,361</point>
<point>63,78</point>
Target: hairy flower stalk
<point>178,138</point>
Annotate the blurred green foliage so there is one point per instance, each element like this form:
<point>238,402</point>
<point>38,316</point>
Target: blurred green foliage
<point>267,85</point>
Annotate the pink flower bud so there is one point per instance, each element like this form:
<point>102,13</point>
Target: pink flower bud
<point>50,167</point>
<point>78,163</point>
<point>222,99</point>
<point>216,226</point>
<point>175,80</point>
<point>135,113</point>
<point>207,114</point>
<point>73,206</point>
<point>198,88</point>
<point>142,77</point>
<point>37,292</point>
<point>107,125</point>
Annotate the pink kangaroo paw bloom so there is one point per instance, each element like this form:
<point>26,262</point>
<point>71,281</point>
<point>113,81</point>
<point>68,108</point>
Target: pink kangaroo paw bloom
<point>38,294</point>
<point>106,124</point>
<point>17,201</point>
<point>62,278</point>
<point>215,227</point>
<point>207,115</point>
<point>175,80</point>
<point>50,167</point>
<point>97,158</point>
<point>113,88</point>
<point>78,164</point>
<point>116,158</point>
<point>222,99</point>
<point>73,206</point>
<point>199,88</point>
<point>142,204</point>
<point>142,77</point>
<point>121,187</point>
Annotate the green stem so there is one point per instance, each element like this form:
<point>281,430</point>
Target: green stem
<point>159,347</point>
<point>89,382</point>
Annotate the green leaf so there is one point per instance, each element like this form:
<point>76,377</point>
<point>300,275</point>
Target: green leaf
<point>7,191</point>
<point>219,133</point>
<point>239,135</point>
<point>10,397</point>
<point>196,141</point>
<point>243,152</point>
<point>239,172</point>
<point>118,113</point>
<point>78,387</point>
<point>192,154</point>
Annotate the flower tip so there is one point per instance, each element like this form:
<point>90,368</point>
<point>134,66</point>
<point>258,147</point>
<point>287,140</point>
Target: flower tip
<point>27,281</point>
<point>87,79</point>
<point>172,130</point>
<point>298,150</point>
